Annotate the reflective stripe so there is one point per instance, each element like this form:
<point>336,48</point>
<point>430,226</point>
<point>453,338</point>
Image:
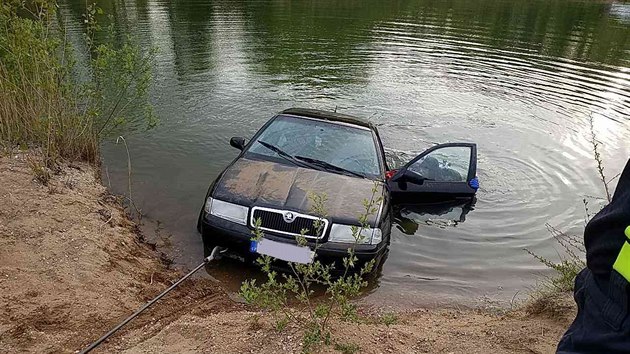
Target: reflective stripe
<point>622,264</point>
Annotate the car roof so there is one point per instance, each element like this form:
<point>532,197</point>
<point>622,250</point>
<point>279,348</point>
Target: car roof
<point>330,116</point>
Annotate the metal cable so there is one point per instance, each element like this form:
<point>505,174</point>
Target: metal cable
<point>206,260</point>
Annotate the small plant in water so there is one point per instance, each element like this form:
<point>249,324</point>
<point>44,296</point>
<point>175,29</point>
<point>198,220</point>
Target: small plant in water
<point>290,297</point>
<point>570,264</point>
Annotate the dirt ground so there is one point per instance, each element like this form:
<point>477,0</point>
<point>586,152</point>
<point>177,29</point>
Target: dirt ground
<point>72,266</point>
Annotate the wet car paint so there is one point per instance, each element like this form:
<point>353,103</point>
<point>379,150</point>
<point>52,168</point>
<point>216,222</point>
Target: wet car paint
<point>265,183</point>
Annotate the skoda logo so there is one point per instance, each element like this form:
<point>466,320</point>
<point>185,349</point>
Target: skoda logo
<point>288,217</point>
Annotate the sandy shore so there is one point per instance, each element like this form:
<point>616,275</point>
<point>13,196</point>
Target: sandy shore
<point>72,265</point>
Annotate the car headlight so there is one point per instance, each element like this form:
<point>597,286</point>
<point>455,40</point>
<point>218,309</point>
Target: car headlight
<point>345,234</point>
<point>228,211</point>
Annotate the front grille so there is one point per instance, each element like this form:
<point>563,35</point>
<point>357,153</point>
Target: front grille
<point>273,220</point>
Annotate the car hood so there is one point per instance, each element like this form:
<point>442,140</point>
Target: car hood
<point>270,184</point>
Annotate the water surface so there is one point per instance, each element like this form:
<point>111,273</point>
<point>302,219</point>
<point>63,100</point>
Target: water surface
<point>520,78</point>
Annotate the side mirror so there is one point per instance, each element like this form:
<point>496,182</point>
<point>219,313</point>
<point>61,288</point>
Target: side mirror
<point>238,142</point>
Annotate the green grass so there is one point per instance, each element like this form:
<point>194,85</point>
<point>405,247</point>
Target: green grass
<point>389,318</point>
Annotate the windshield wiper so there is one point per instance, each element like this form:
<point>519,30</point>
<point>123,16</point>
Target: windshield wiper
<point>328,166</point>
<point>308,162</point>
<point>283,154</point>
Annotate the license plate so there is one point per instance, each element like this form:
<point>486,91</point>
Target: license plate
<point>284,251</point>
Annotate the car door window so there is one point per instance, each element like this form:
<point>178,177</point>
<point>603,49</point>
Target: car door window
<point>447,164</point>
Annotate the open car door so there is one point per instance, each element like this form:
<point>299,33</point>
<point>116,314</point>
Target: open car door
<point>444,172</point>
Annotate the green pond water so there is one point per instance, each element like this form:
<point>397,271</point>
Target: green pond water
<point>518,77</point>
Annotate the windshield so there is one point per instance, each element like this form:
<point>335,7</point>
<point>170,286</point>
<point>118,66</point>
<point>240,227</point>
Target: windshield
<point>350,148</point>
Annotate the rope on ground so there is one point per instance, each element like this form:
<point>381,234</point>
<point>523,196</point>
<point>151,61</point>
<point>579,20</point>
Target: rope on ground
<point>206,260</point>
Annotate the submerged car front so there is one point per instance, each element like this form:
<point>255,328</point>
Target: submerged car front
<point>298,170</point>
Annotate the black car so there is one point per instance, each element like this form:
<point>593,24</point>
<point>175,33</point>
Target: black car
<point>299,151</point>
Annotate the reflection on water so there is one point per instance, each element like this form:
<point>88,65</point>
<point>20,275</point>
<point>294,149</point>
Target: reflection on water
<point>519,78</point>
<point>620,10</point>
<point>409,218</point>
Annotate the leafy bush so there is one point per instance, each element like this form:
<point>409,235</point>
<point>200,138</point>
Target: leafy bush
<point>290,297</point>
<point>43,103</point>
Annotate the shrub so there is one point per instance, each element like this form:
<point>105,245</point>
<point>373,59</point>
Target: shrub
<point>570,264</point>
<point>279,292</point>
<point>43,103</point>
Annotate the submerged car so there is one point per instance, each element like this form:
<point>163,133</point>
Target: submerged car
<point>303,151</point>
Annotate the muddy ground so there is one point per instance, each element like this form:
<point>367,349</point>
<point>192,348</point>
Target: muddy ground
<point>72,266</point>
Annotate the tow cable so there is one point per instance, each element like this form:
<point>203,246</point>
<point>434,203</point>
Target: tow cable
<point>213,255</point>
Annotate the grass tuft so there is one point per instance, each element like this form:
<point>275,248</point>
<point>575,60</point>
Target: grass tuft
<point>40,170</point>
<point>389,318</point>
<point>551,303</point>
<point>347,348</point>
